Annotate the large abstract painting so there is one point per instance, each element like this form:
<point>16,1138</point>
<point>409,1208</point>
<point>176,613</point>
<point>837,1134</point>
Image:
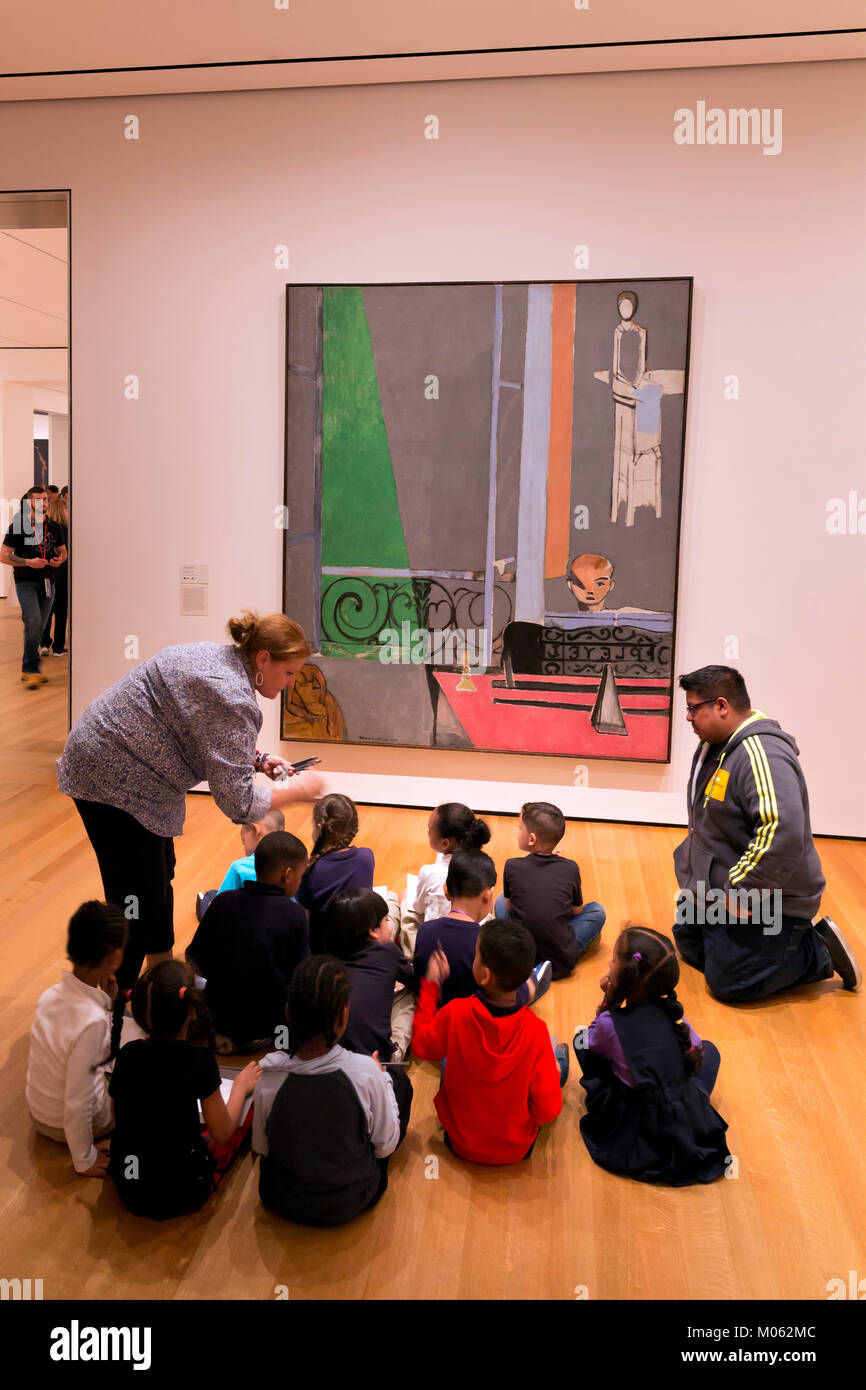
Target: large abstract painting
<point>483,487</point>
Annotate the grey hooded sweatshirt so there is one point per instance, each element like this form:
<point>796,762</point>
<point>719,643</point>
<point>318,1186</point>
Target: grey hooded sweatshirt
<point>749,819</point>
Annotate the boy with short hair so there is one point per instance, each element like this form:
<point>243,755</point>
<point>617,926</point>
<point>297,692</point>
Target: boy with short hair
<point>240,870</point>
<point>503,1079</point>
<point>248,944</point>
<point>543,891</point>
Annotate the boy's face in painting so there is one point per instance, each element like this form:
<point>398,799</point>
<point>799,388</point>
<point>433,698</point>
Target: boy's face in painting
<point>590,586</point>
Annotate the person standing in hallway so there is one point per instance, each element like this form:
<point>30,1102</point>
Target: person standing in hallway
<point>34,547</point>
<point>57,511</point>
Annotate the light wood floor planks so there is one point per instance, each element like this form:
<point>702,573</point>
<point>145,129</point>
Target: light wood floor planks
<point>790,1087</point>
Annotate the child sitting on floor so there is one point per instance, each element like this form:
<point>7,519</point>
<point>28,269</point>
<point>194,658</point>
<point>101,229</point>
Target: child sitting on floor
<point>325,1119</point>
<point>242,869</point>
<point>162,1162</point>
<point>335,862</point>
<point>66,1086</point>
<point>451,826</point>
<point>358,932</point>
<point>646,1073</point>
<point>470,886</point>
<point>502,1078</point>
<point>543,891</point>
<point>248,944</point>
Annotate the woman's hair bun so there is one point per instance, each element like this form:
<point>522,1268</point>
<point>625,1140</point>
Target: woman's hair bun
<point>274,633</point>
<point>242,629</point>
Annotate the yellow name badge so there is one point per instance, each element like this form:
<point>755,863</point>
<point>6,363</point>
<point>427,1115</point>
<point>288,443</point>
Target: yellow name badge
<point>718,785</point>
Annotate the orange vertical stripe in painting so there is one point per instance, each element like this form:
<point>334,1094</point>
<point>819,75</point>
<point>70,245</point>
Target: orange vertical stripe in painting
<point>556,548</point>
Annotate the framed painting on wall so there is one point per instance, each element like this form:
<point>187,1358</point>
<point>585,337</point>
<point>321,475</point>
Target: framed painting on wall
<point>483,484</point>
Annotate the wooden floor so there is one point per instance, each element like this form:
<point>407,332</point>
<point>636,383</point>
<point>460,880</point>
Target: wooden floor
<point>790,1086</point>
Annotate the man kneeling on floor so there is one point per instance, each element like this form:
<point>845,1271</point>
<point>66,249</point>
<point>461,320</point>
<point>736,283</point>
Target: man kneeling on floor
<point>749,875</point>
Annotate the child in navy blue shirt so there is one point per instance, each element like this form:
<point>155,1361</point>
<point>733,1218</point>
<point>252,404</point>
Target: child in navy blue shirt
<point>471,887</point>
<point>335,863</point>
<point>248,944</point>
<point>359,933</point>
<point>647,1075</point>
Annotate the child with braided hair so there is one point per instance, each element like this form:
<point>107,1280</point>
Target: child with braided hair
<point>162,1161</point>
<point>335,862</point>
<point>647,1075</point>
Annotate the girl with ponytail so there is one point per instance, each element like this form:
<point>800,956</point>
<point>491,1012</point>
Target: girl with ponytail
<point>162,1160</point>
<point>451,826</point>
<point>647,1075</point>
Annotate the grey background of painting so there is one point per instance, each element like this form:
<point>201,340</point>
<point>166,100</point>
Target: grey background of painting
<point>440,449</point>
<point>393,707</point>
<point>645,554</point>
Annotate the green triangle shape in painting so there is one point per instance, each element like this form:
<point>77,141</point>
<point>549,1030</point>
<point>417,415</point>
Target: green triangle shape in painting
<point>361,522</point>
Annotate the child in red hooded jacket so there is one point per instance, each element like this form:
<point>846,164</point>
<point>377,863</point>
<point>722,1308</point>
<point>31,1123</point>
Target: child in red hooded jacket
<point>503,1078</point>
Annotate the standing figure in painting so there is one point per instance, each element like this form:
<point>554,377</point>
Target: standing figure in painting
<point>637,452</point>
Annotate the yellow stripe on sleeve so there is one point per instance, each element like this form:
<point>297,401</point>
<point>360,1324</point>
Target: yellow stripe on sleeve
<point>767,809</point>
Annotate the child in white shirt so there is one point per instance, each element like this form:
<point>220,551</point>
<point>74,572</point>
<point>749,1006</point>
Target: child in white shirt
<point>70,1039</point>
<point>451,826</point>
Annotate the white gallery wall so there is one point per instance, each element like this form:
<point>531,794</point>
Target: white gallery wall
<point>173,239</point>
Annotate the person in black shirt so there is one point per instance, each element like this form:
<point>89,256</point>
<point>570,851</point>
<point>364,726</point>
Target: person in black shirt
<point>357,931</point>
<point>34,548</point>
<point>543,891</point>
<point>248,944</point>
<point>160,1159</point>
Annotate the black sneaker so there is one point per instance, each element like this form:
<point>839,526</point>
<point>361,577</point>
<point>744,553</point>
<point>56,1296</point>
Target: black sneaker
<point>843,958</point>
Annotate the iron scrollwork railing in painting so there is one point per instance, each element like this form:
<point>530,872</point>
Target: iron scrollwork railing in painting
<point>533,649</point>
<point>356,610</point>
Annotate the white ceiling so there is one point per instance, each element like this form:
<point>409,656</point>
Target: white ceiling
<point>33,287</point>
<point>57,48</point>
